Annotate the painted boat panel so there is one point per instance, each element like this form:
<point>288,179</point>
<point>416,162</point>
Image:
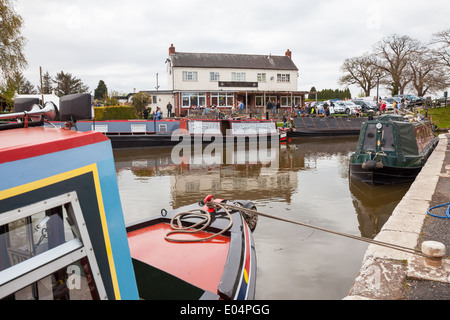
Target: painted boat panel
<point>199,263</point>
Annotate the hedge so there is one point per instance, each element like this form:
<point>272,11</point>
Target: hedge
<point>115,113</point>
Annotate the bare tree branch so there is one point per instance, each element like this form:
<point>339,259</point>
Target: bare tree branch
<point>361,71</point>
<point>394,55</point>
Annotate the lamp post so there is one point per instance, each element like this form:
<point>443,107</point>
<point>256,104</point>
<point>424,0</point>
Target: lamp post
<point>378,85</point>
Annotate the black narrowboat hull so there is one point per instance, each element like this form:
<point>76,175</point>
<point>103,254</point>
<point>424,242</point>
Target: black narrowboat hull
<point>327,126</point>
<point>385,175</point>
<point>160,140</point>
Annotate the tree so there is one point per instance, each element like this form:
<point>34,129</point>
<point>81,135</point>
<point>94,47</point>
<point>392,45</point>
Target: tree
<point>18,83</point>
<point>47,86</point>
<point>361,71</point>
<point>139,101</point>
<point>12,43</point>
<point>68,84</point>
<point>101,92</point>
<point>427,76</point>
<point>312,96</point>
<point>111,99</point>
<point>442,40</point>
<point>394,56</point>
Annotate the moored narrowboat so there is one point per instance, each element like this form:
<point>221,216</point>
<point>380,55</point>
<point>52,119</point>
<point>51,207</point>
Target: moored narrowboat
<point>135,133</point>
<point>326,126</point>
<point>63,235</point>
<point>392,149</point>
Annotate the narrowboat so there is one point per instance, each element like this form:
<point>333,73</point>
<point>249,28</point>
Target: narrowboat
<point>63,234</point>
<point>326,126</point>
<point>166,132</point>
<point>392,149</point>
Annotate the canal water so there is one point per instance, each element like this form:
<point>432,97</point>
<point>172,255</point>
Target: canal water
<point>305,181</point>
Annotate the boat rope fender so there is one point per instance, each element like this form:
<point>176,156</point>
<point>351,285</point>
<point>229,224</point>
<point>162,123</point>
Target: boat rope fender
<point>371,165</point>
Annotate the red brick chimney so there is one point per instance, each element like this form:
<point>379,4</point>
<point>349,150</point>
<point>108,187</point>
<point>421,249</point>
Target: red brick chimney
<point>171,49</point>
<point>288,54</point>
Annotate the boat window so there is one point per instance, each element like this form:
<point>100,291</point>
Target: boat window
<point>73,282</point>
<point>43,252</point>
<point>32,235</point>
<point>370,138</point>
<point>387,138</point>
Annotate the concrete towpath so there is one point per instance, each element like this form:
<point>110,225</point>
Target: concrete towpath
<point>389,274</point>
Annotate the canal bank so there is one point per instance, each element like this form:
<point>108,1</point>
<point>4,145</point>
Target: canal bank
<point>388,274</point>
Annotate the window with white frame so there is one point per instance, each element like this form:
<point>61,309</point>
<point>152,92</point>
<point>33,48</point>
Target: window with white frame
<point>222,99</point>
<point>283,77</point>
<point>214,76</point>
<point>261,77</point>
<point>259,100</point>
<point>193,99</point>
<point>190,76</point>
<point>297,100</point>
<point>238,76</point>
<point>285,101</point>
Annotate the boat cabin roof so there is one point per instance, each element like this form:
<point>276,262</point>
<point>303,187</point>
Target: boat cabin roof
<point>61,219</point>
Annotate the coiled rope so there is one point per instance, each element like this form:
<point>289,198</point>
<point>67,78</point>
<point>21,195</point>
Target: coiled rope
<point>178,228</point>
<point>447,212</point>
<point>371,241</point>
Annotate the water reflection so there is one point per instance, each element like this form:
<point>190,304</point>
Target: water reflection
<point>308,182</point>
<point>374,204</point>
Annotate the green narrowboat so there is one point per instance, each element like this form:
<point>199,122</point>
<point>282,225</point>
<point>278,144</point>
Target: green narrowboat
<point>392,149</point>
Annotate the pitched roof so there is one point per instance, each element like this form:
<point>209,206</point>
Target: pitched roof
<point>234,61</point>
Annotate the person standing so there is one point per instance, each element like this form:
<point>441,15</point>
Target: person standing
<point>169,110</point>
<point>326,109</point>
<point>145,112</point>
<point>158,113</point>
<point>270,106</point>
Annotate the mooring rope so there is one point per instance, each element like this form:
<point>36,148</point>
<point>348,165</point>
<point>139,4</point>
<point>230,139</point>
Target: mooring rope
<point>447,212</point>
<point>371,241</point>
<point>192,228</point>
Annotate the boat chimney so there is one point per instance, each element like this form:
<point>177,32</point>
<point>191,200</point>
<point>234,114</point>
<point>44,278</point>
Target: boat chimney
<point>288,53</point>
<point>171,50</point>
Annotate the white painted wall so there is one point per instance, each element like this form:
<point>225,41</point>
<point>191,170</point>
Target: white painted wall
<point>203,82</point>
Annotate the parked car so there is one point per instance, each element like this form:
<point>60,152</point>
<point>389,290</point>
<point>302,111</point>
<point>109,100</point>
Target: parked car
<point>389,103</point>
<point>339,107</point>
<point>353,107</point>
<point>346,107</point>
<point>365,105</point>
<point>410,98</point>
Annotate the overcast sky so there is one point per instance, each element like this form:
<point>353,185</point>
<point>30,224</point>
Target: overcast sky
<point>125,43</point>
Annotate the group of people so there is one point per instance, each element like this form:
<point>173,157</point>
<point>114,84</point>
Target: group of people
<point>310,109</point>
<point>156,115</point>
<point>396,106</point>
<point>272,107</point>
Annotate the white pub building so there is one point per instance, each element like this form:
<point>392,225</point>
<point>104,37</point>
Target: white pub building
<point>224,80</point>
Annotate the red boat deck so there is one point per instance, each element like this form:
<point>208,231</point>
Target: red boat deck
<point>199,263</point>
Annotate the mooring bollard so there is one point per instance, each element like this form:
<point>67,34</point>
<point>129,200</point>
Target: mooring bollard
<point>435,250</point>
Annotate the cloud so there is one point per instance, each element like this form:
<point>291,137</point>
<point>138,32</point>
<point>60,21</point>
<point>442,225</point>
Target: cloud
<point>125,43</point>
